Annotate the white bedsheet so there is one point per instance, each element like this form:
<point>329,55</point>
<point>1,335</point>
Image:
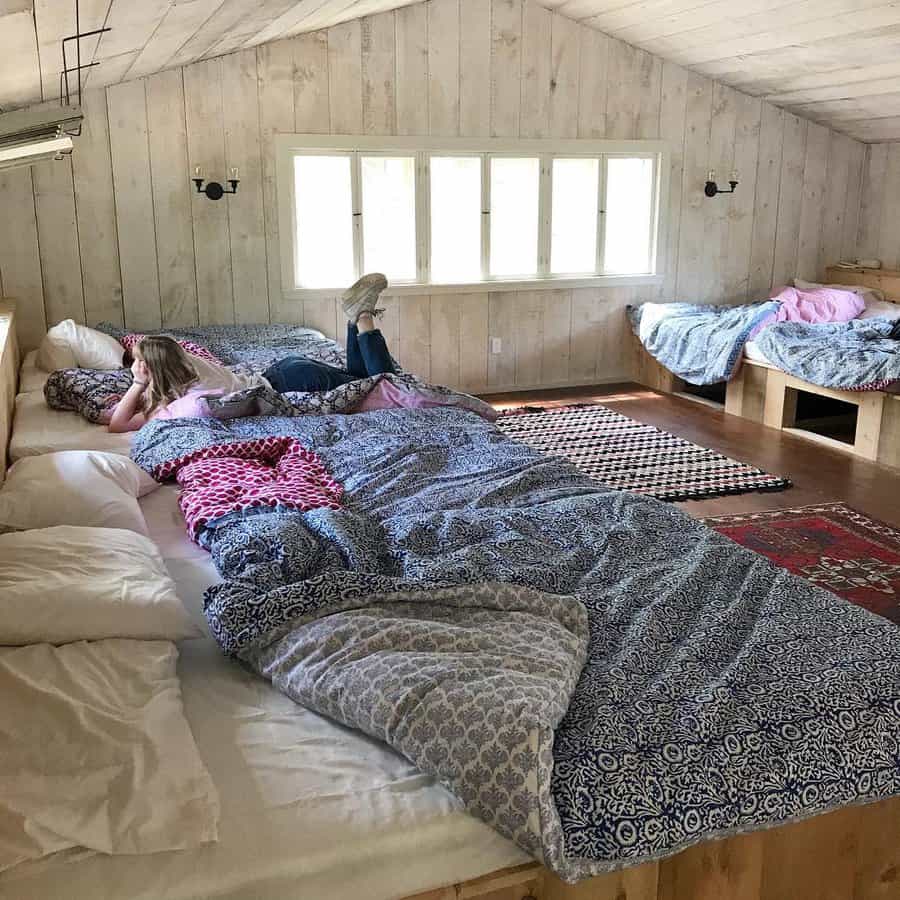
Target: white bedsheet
<point>38,429</point>
<point>754,354</point>
<point>308,809</point>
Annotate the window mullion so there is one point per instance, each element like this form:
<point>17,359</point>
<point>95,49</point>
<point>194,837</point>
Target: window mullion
<point>485,216</point>
<point>358,223</point>
<point>423,217</point>
<point>545,206</point>
<point>601,216</point>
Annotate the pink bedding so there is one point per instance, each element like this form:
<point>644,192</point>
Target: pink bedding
<point>818,307</point>
<point>270,471</point>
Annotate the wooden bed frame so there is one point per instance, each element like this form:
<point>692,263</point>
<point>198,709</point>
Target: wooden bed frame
<point>851,854</point>
<point>765,394</point>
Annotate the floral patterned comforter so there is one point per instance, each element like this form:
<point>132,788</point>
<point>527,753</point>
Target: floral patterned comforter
<point>718,694</point>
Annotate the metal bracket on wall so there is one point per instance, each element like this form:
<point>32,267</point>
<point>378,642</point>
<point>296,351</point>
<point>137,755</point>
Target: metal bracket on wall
<point>65,89</point>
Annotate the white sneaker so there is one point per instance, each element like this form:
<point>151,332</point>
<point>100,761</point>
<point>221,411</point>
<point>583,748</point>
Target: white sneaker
<point>361,297</point>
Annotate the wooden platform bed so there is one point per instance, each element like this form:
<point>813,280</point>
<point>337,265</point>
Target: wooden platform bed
<point>765,394</point>
<point>851,854</point>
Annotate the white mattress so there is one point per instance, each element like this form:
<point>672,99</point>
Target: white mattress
<point>754,354</point>
<point>31,378</point>
<point>309,809</point>
<point>38,429</point>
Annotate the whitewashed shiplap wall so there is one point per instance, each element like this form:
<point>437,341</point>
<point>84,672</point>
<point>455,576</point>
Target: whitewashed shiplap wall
<point>118,234</point>
<point>879,218</point>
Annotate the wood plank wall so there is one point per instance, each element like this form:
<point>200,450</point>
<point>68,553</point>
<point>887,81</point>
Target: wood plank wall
<point>116,233</point>
<point>879,214</point>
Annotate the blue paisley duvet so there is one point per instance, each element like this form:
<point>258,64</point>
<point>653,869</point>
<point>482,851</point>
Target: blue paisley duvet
<point>598,676</point>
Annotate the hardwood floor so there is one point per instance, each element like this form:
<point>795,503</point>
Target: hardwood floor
<point>819,474</point>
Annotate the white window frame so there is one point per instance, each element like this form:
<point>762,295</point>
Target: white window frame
<point>288,146</point>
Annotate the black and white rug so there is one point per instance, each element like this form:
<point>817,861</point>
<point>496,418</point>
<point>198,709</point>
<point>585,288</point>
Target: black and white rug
<point>632,456</point>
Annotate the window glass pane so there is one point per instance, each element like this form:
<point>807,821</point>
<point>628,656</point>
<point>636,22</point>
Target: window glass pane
<point>455,218</point>
<point>629,213</point>
<point>324,221</point>
<point>573,240</point>
<point>389,216</point>
<point>515,188</point>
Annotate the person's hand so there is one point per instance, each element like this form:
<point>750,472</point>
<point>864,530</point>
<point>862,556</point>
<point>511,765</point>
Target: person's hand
<point>140,372</point>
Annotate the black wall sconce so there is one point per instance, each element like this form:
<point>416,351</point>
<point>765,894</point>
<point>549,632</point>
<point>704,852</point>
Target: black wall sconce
<point>712,188</point>
<point>213,189</point>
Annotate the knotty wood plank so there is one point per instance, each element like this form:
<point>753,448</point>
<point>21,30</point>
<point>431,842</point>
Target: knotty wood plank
<point>502,311</point>
<point>812,208</point>
<point>649,86</point>
<point>671,130</point>
<point>792,160</point>
<point>870,211</point>
<point>740,216</point>
<point>378,68</point>
<point>593,83</point>
<point>415,334</point>
<point>246,220</point>
<point>310,80</point>
<point>889,233</point>
<point>345,78</point>
<point>528,326</point>
<point>556,327</point>
<point>623,96</point>
<point>170,171</point>
<point>475,58</point>
<point>474,328</point>
<point>850,234</point>
<point>20,261</point>
<point>835,199</point>
<point>412,69</point>
<point>768,182</point>
<point>565,63</point>
<point>443,67</point>
<point>696,158</point>
<point>445,339</point>
<point>95,208</point>
<point>54,202</point>
<point>275,82</point>
<point>20,70</point>
<point>506,65</point>
<point>204,111</point>
<point>537,68</point>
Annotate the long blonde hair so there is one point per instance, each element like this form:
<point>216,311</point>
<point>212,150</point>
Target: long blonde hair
<point>172,373</point>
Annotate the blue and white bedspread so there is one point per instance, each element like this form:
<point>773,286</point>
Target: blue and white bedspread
<point>443,610</point>
<point>701,344</point>
<point>854,356</point>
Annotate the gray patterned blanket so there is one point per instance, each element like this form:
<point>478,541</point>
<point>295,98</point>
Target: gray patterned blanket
<point>719,693</point>
<point>853,356</point>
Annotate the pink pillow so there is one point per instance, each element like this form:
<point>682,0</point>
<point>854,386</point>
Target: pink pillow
<point>200,352</point>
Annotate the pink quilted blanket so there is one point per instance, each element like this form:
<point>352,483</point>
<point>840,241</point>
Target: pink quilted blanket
<point>269,471</point>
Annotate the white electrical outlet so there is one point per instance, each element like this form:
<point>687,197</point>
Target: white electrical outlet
<point>496,345</point>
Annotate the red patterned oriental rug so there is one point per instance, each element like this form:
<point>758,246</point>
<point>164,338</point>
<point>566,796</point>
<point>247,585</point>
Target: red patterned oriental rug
<point>832,545</point>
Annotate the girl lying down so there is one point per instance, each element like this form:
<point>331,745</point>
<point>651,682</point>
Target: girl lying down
<point>169,383</point>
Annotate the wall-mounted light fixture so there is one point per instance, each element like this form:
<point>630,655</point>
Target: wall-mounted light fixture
<point>213,189</point>
<point>712,188</point>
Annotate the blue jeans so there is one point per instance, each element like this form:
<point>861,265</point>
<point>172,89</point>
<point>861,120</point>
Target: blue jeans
<point>367,354</point>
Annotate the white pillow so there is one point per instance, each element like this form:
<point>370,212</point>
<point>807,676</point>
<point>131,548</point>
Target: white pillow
<point>69,344</point>
<point>74,487</point>
<point>881,309</point>
<point>865,292</point>
<point>65,584</point>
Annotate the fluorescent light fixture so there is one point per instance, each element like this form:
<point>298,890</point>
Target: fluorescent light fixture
<point>27,154</point>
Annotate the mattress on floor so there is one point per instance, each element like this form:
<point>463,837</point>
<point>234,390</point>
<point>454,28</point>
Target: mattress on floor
<point>31,378</point>
<point>309,809</point>
<point>37,429</point>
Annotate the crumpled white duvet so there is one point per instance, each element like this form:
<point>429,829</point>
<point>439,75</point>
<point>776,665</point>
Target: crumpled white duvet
<point>95,752</point>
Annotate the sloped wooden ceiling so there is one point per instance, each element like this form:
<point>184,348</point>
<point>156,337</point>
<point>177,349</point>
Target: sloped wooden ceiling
<point>832,61</point>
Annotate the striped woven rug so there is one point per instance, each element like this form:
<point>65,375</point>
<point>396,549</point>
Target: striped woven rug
<point>631,456</point>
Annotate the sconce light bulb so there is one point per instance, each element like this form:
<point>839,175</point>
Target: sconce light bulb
<point>197,171</point>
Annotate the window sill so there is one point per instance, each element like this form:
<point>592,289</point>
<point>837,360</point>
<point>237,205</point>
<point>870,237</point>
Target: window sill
<point>492,287</point>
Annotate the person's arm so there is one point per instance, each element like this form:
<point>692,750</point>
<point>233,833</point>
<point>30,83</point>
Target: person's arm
<point>127,416</point>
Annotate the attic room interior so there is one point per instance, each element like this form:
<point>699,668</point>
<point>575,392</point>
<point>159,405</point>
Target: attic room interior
<point>451,449</point>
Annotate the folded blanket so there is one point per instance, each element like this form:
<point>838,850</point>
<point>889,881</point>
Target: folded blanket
<point>701,344</point>
<point>268,473</point>
<point>854,356</point>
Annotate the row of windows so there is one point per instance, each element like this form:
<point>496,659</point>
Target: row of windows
<point>450,217</point>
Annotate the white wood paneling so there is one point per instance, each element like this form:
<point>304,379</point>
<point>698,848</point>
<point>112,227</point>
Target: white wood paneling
<point>466,67</point>
<point>130,150</point>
